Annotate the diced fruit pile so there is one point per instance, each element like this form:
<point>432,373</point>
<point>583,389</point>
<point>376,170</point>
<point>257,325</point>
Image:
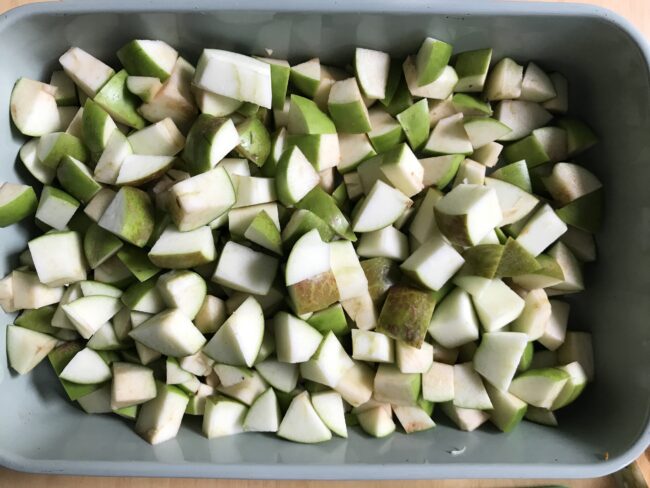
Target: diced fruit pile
<point>297,249</point>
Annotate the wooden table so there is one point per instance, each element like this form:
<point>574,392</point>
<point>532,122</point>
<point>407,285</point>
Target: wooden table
<point>638,12</point>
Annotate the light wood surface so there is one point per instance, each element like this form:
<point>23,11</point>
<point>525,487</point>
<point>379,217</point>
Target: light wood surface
<point>638,12</point>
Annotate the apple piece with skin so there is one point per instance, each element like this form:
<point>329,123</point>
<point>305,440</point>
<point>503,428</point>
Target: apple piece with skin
<point>542,416</point>
<point>120,103</point>
<point>27,348</point>
<point>504,80</point>
<point>433,263</point>
<point>539,387</point>
<point>541,146</point>
<point>88,314</point>
<point>160,139</point>
<point>472,69</point>
<point>372,346</point>
<point>174,99</point>
<point>54,146</point>
<point>560,102</point>
<point>497,305</point>
<point>372,70</point>
<point>469,173</point>
<point>344,264</point>
<point>423,225</point>
<point>213,104</point>
<point>33,107</point>
<point>260,269</point>
<point>231,375</point>
<point>280,73</point>
<point>99,245</point>
<point>386,132</point>
<point>238,340</point>
<point>449,137</point>
<point>571,269</point>
<point>353,186</point>
<point>75,127</point>
<point>254,141</point>
<point>301,423</point>
<point>306,118</point>
<point>548,275</point>
<point>264,414</point>
<point>129,216</point>
<point>369,172</point>
<point>171,333</point>
<point>109,163</point>
<point>210,139</point>
<point>387,242</point>
<point>466,419</point>
<point>568,182</point>
<point>573,387</point>
<point>132,385</point>
<point>313,294</point>
<point>438,383</point>
<point>514,202</point>
<point>431,59</point>
<point>454,321</point>
<point>329,363</point>
<point>143,297</point>
<point>536,85</point>
<point>239,219</point>
<point>76,179</point>
<point>234,75</point>
<point>376,422</point>
<point>58,258</point>
<point>541,230</point>
<point>406,314</point>
<point>88,72</point>
<point>535,316</point>
<point>97,127</point>
<point>329,406</point>
<point>470,105</point>
<point>323,205</point>
<point>439,89</point>
<point>295,177</point>
<point>516,260</point>
<point>144,87</point>
<point>148,58</point>
<point>403,170</point>
<point>508,410</point>
<point>322,150</point>
<point>382,207</point>
<point>412,359</point>
<point>185,290</point>
<point>137,262</point>
<point>200,199</point>
<point>382,274</point>
<point>263,232</point>
<point>55,207</point>
<point>301,222</point>
<point>396,388</point>
<point>211,315</point>
<point>403,98</point>
<point>30,160</point>
<point>357,384</point>
<point>584,213</point>
<point>281,376</point>
<point>441,109</point>
<point>307,76</point>
<point>330,319</point>
<point>296,341</point>
<point>483,130</point>
<point>498,357</point>
<point>347,109</point>
<point>516,174</point>
<point>483,260</point>
<point>522,117</point>
<point>467,213</point>
<point>488,155</point>
<point>415,123</point>
<point>175,249</point>
<point>86,368</point>
<point>16,203</point>
<point>554,331</point>
<point>393,80</point>
<point>160,419</point>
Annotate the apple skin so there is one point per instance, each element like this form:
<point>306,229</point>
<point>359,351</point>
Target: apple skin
<point>22,206</point>
<point>314,294</point>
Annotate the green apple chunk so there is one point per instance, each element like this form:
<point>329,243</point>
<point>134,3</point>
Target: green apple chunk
<point>406,314</point>
<point>584,213</point>
<point>144,87</point>
<point>239,219</point>
<point>174,99</point>
<point>469,172</point>
<point>143,297</point>
<point>136,170</point>
<point>539,387</point>
<point>185,290</point>
<point>27,292</point>
<point>542,416</point>
<point>508,410</point>
<point>306,118</point>
<point>449,137</point>
<point>295,176</point>
<point>301,422</point>
<point>516,260</point>
<point>235,75</point>
<point>263,232</point>
<point>543,145</point>
<point>33,107</point>
<point>282,376</point>
<point>433,263</point>
<point>472,69</point>
<point>330,319</point>
<point>313,294</point>
<point>160,139</point>
<point>482,260</point>
<point>301,222</point>
<point>382,274</point>
<point>372,346</point>
<point>498,357</point>
<point>321,150</point>
<point>170,333</point>
<point>53,147</point>
<point>88,314</point>
<point>438,383</point>
<point>27,348</point>
<point>573,387</point>
<point>441,109</point>
<point>554,331</point>
<point>497,305</point>
<point>413,359</point>
<point>55,207</point>
<point>223,417</point>
<point>377,422</point>
<point>260,269</point>
<point>483,130</point>
<point>581,243</point>
<point>88,72</point>
<point>99,245</point>
<point>213,104</point>
<point>431,59</point>
<point>75,177</point>
<point>132,385</point>
<point>329,363</point>
<point>381,208</point>
<point>129,216</point>
<point>175,249</point>
<point>466,419</point>
<point>210,139</point>
<point>514,202</point>
<point>395,387</point>
<point>403,98</point>
<point>37,169</point>
<point>469,391</point>
<point>536,85</point>
<point>199,200</point>
<point>393,79</point>
<point>521,117</point>
<point>254,141</point>
<point>307,76</point>
<point>415,123</point>
<point>541,230</point>
<point>468,213</point>
<point>560,102</point>
<point>97,127</point>
<point>329,406</point>
<point>323,205</point>
<point>296,341</point>
<point>66,91</point>
<point>137,262</point>
<point>16,203</point>
<point>119,102</point>
<point>438,89</point>
<point>516,174</point>
<point>264,414</point>
<point>108,165</point>
<point>386,132</point>
<point>571,269</point>
<point>568,182</point>
<point>504,81</point>
<point>535,317</point>
<point>280,73</point>
<point>469,105</point>
<point>58,258</point>
<point>238,340</point>
<point>403,170</point>
<point>353,186</point>
<point>439,171</point>
<point>454,321</point>
<point>86,368</point>
<point>347,108</point>
<point>387,242</point>
<point>160,419</point>
<point>357,385</point>
<point>488,155</point>
<point>372,70</point>
<point>148,58</point>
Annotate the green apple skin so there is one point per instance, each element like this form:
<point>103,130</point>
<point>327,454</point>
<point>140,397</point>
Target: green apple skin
<point>314,294</point>
<point>264,232</point>
<point>23,204</point>
<point>472,69</point>
<point>382,274</point>
<point>59,359</point>
<point>79,183</point>
<point>64,145</point>
<point>97,127</point>
<point>483,260</point>
<point>516,174</point>
<point>528,149</point>
<point>393,81</point>
<point>431,59</point>
<point>402,99</point>
<point>516,260</point>
<point>330,319</point>
<point>306,118</point>
<point>406,314</point>
<point>100,245</point>
<point>254,141</point>
<point>415,123</point>
<point>136,213</point>
<point>198,145</point>
<point>120,102</point>
<point>280,73</point>
<point>351,117</point>
<point>304,82</point>
<point>301,222</point>
<point>585,213</point>
<point>323,205</point>
<point>137,61</point>
<point>579,136</point>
